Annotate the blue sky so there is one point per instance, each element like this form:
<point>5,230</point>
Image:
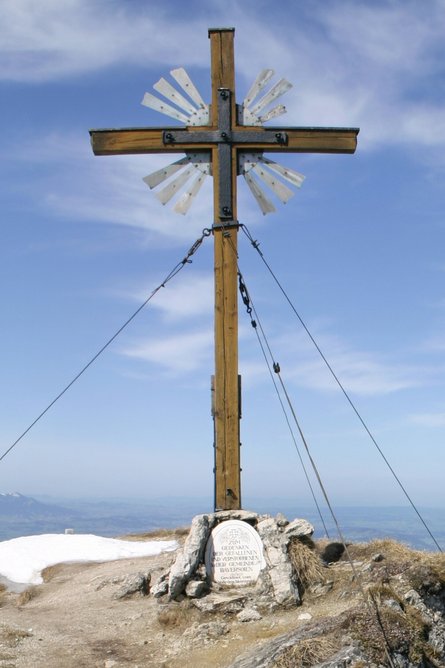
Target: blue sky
<point>359,249</point>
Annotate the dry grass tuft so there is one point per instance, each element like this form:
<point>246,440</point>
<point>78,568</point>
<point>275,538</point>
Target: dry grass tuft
<point>27,595</point>
<point>306,563</point>
<point>10,636</point>
<point>405,632</point>
<point>50,572</point>
<point>381,591</point>
<point>3,593</point>
<point>308,652</point>
<point>426,573</point>
<point>175,615</point>
<point>391,549</point>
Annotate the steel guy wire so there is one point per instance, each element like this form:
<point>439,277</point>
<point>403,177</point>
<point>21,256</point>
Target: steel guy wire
<point>255,323</point>
<point>250,307</point>
<point>176,269</point>
<point>255,244</point>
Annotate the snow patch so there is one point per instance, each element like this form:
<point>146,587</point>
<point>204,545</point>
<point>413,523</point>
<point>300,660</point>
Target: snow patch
<point>23,559</point>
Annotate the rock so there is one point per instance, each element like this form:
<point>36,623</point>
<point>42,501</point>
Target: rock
<point>248,615</point>
<point>436,637</point>
<point>190,556</point>
<point>196,588</point>
<point>263,586</point>
<point>134,584</point>
<point>207,631</point>
<point>304,617</point>
<point>347,656</point>
<point>377,557</point>
<point>267,654</point>
<point>281,520</point>
<point>220,602</point>
<point>321,588</point>
<point>298,528</point>
<point>160,588</point>
<point>283,580</point>
<point>413,597</point>
<point>393,604</point>
<point>276,580</point>
<point>110,581</point>
<point>244,515</point>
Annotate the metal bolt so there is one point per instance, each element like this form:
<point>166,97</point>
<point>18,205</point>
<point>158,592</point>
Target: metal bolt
<point>226,211</point>
<point>224,94</point>
<point>169,137</point>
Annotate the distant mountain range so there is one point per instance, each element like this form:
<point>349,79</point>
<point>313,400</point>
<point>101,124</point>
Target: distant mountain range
<point>23,516</point>
<point>15,506</point>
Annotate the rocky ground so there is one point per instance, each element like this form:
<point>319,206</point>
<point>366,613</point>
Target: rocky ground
<point>99,616</point>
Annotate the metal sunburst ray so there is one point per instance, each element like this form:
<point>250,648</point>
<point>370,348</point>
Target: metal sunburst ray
<point>193,167</point>
<point>255,168</point>
<point>252,108</point>
<point>266,172</point>
<point>192,111</point>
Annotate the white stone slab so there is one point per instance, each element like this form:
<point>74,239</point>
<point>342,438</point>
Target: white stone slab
<point>234,554</point>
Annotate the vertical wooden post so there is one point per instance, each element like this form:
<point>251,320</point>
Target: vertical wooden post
<point>227,400</point>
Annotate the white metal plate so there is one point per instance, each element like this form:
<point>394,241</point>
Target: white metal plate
<point>279,89</point>
<point>265,204</point>
<point>155,178</point>
<point>186,199</point>
<point>155,103</point>
<point>280,189</point>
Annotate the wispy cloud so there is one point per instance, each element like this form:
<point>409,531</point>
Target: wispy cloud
<point>352,63</point>
<point>434,344</point>
<point>361,71</point>
<point>429,419</point>
<point>75,183</point>
<point>49,40</point>
<point>360,372</point>
<point>178,354</point>
<point>190,298</point>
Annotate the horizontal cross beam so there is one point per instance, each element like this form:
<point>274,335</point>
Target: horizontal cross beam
<point>126,141</point>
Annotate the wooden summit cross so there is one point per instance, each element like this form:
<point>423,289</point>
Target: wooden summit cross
<point>226,139</point>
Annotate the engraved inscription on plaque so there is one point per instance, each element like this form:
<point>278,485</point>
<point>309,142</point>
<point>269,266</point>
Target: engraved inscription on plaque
<point>234,553</point>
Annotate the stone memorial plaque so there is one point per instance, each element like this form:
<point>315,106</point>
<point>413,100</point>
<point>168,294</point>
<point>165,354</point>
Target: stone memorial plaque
<point>234,553</point>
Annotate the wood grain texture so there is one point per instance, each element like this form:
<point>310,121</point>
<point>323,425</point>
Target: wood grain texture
<point>227,400</point>
<point>150,140</point>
